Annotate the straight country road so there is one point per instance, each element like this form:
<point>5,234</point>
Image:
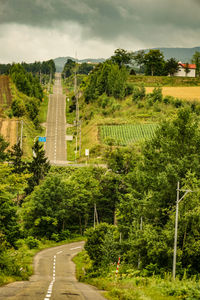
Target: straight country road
<point>54,278</point>
<point>56,124</point>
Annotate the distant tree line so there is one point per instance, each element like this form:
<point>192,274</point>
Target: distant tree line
<point>44,67</point>
<point>71,67</point>
<point>154,64</point>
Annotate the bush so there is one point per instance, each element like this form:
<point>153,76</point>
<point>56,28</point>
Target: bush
<point>177,103</point>
<point>18,108</point>
<point>129,89</point>
<point>138,93</point>
<point>64,234</point>
<point>99,245</point>
<point>156,95</point>
<point>168,99</point>
<point>55,237</point>
<point>32,242</point>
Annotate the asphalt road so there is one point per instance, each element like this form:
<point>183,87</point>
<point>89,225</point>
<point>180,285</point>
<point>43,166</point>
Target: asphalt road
<point>54,278</point>
<point>56,124</point>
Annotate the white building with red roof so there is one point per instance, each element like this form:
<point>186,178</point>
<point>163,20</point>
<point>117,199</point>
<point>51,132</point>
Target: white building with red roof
<point>186,70</point>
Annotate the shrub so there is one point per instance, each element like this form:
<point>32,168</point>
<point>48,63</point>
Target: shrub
<point>64,234</point>
<point>156,95</point>
<point>18,108</point>
<point>96,242</point>
<point>129,89</point>
<point>32,242</point>
<point>177,103</point>
<point>55,237</point>
<point>138,93</point>
<point>168,99</point>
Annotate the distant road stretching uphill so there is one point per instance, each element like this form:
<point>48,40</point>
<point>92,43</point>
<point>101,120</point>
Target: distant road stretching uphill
<point>56,125</point>
<point>54,278</point>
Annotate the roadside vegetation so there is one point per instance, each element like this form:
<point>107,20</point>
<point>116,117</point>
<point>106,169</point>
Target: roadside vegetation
<point>126,210</point>
<point>143,181</point>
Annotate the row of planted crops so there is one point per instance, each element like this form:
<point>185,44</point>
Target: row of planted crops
<point>125,134</point>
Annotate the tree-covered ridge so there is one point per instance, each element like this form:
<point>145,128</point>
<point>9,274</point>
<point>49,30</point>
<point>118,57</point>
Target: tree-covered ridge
<point>44,67</point>
<point>26,82</point>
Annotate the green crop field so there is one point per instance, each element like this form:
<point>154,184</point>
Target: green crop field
<point>123,135</point>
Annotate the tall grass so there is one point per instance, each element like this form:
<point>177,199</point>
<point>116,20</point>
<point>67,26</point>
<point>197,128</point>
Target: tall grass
<point>130,285</point>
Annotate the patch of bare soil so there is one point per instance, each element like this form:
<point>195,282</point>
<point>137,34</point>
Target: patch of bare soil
<point>9,129</point>
<point>5,93</point>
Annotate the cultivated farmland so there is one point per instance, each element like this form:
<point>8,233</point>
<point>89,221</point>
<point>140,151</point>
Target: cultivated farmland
<point>187,93</point>
<point>9,129</point>
<point>5,93</point>
<point>126,134</point>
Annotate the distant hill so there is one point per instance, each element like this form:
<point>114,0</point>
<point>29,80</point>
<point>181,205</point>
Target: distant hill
<point>60,61</point>
<point>181,54</point>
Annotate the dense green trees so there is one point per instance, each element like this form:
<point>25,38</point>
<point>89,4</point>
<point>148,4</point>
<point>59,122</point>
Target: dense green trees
<point>26,82</point>
<point>46,210</point>
<point>69,68</point>
<point>11,184</point>
<point>36,68</point>
<point>171,66</point>
<point>109,78</point>
<point>122,57</point>
<point>154,63</point>
<point>85,68</point>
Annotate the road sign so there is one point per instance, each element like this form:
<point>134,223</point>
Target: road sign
<point>42,138</point>
<point>86,152</point>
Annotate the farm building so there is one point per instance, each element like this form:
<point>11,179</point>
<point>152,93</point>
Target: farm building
<point>186,70</point>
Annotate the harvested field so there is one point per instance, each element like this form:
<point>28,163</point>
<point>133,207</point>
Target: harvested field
<point>8,129</point>
<point>5,93</point>
<point>186,93</point>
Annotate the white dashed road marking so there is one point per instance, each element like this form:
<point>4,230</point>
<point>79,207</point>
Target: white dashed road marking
<point>49,291</point>
<point>75,248</point>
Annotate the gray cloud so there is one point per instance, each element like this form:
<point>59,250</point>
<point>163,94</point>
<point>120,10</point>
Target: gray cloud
<point>117,23</point>
<point>104,18</point>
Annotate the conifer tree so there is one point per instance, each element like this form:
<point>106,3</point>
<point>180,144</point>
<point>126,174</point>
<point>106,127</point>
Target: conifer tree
<point>39,167</point>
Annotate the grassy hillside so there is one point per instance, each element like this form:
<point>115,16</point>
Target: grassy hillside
<point>96,117</point>
<point>10,124</point>
<point>154,81</point>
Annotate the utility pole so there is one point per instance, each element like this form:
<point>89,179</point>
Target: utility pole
<point>40,77</point>
<point>21,136</point>
<point>141,227</point>
<point>50,79</point>
<point>95,215</point>
<point>76,149</point>
<point>176,226</point>
<point>80,138</point>
<point>78,122</point>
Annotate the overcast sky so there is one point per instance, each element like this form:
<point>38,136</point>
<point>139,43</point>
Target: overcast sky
<point>43,29</point>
